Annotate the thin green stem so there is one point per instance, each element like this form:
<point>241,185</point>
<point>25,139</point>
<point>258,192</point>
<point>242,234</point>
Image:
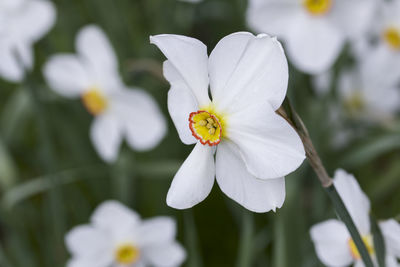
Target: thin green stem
<point>291,116</point>
<point>55,205</point>
<point>246,240</point>
<point>194,259</point>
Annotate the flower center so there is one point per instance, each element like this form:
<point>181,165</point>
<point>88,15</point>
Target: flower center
<point>369,243</point>
<point>127,254</point>
<point>355,103</point>
<point>94,101</point>
<point>206,126</point>
<point>392,37</point>
<point>317,7</point>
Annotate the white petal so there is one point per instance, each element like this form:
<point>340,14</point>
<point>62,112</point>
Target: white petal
<point>16,59</point>
<point>237,183</point>
<point>245,69</point>
<point>314,44</point>
<point>156,231</point>
<point>189,57</point>
<point>181,102</point>
<point>66,75</point>
<point>322,82</point>
<point>106,135</point>
<point>381,68</point>
<point>391,261</point>
<point>355,200</point>
<point>331,243</point>
<point>272,16</point>
<point>270,147</point>
<point>194,180</point>
<point>141,118</point>
<point>95,49</point>
<point>391,234</point>
<point>87,242</point>
<point>34,19</point>
<point>353,16</point>
<point>98,261</point>
<point>111,213</point>
<point>166,255</point>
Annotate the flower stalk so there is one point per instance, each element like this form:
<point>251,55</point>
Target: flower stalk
<point>290,115</point>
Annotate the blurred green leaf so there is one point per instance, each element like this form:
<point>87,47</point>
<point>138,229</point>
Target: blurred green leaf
<point>8,168</point>
<point>371,149</point>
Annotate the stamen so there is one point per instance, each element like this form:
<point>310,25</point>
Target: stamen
<point>127,254</point>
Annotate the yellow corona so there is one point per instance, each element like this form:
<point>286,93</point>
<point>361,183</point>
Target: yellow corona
<point>317,7</point>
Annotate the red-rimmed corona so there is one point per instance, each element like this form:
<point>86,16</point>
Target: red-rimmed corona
<point>205,127</point>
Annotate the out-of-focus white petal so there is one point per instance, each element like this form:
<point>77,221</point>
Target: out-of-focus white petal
<point>90,262</point>
<point>237,183</point>
<point>66,75</point>
<point>391,234</point>
<point>353,16</point>
<point>383,102</point>
<point>247,69</point>
<point>194,180</point>
<point>355,200</point>
<point>270,147</point>
<point>165,255</point>
<point>322,82</point>
<point>141,119</point>
<point>99,57</point>
<point>112,216</point>
<point>181,102</point>
<point>88,242</point>
<point>16,58</point>
<point>381,68</point>
<point>156,231</point>
<point>189,57</point>
<point>391,261</point>
<point>313,44</point>
<point>106,134</point>
<point>34,19</point>
<point>331,243</point>
<point>272,16</point>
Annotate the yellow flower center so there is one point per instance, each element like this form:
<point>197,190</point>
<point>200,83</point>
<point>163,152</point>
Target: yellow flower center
<point>94,101</point>
<point>392,37</point>
<point>355,103</point>
<point>369,243</point>
<point>207,126</point>
<point>126,254</point>
<point>317,7</point>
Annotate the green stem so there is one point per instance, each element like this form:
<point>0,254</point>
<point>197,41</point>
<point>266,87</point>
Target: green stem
<point>291,116</point>
<point>55,205</point>
<point>344,215</point>
<point>194,259</point>
<point>379,243</point>
<point>246,240</point>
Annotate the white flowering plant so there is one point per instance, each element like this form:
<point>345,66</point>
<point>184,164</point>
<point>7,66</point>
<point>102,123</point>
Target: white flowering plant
<point>196,133</point>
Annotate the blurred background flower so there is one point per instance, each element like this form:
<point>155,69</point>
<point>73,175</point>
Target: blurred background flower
<point>52,177</point>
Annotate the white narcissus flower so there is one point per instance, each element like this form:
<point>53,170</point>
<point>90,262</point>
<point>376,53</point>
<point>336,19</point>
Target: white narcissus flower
<point>254,147</point>
<point>333,243</point>
<point>117,237</point>
<point>365,98</point>
<point>315,31</point>
<point>382,60</point>
<point>92,75</point>
<point>22,23</point>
